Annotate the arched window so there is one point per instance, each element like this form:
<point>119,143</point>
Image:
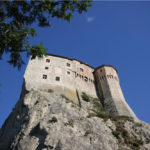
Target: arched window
<point>85,79</point>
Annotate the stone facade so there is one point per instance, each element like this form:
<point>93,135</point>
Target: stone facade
<point>110,91</point>
<point>71,77</point>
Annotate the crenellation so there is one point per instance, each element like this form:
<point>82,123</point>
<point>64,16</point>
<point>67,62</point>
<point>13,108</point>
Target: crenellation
<point>68,76</point>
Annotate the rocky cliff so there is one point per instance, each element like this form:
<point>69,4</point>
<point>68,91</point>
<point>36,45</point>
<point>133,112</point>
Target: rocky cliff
<point>44,120</point>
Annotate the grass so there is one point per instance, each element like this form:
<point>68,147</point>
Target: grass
<point>85,97</point>
<point>101,113</point>
<point>97,104</point>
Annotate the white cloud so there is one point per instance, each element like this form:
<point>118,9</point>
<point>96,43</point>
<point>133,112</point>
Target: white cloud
<point>90,19</point>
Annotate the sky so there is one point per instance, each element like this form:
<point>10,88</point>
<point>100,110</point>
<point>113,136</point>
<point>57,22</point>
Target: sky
<point>111,33</point>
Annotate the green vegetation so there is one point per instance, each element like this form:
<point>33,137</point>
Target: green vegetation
<point>124,137</point>
<point>120,131</point>
<point>138,124</point>
<point>17,18</point>
<point>85,97</point>
<point>50,91</point>
<point>97,104</point>
<point>66,98</point>
<point>105,115</point>
<point>54,120</point>
<point>99,111</point>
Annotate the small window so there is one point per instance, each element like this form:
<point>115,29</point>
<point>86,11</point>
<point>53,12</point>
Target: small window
<point>85,79</point>
<point>44,76</point>
<point>101,70</point>
<point>68,65</point>
<point>68,72</point>
<point>81,69</point>
<point>57,78</point>
<point>48,60</point>
<point>46,68</point>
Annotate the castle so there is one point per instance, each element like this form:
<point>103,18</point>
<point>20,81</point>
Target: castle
<point>71,77</point>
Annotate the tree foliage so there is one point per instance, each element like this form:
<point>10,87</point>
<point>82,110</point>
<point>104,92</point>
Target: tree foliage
<point>17,17</point>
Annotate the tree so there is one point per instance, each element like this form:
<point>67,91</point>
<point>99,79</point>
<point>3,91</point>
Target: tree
<point>16,18</point>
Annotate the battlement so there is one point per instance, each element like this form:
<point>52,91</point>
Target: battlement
<point>71,77</point>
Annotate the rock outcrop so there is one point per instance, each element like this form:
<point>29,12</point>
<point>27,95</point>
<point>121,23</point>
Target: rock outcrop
<point>43,120</point>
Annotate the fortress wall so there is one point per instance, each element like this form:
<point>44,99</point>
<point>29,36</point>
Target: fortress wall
<point>105,92</point>
<point>67,76</point>
<point>73,76</point>
<point>114,100</point>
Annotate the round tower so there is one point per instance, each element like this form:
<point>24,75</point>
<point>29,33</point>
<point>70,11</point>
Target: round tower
<point>108,88</point>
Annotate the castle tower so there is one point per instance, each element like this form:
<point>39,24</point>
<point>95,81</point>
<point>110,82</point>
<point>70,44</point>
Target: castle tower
<point>108,88</point>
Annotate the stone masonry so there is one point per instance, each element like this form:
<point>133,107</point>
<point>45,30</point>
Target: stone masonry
<point>71,77</point>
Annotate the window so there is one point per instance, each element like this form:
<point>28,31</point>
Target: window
<point>101,70</point>
<point>85,79</point>
<point>46,68</point>
<point>111,76</point>
<point>44,76</point>
<point>68,72</point>
<point>48,60</point>
<point>68,65</point>
<point>81,69</point>
<point>57,78</point>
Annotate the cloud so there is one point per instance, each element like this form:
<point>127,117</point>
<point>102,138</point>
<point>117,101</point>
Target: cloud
<point>90,19</point>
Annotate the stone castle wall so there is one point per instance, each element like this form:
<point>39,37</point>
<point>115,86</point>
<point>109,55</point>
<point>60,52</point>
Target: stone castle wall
<point>64,75</point>
<point>71,77</point>
<point>110,90</point>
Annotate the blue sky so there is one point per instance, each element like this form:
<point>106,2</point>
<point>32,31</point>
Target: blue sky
<point>113,33</point>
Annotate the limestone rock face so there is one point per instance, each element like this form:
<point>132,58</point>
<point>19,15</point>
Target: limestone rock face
<point>46,121</point>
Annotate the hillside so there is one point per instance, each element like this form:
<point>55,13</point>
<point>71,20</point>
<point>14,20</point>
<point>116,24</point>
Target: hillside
<point>44,120</point>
